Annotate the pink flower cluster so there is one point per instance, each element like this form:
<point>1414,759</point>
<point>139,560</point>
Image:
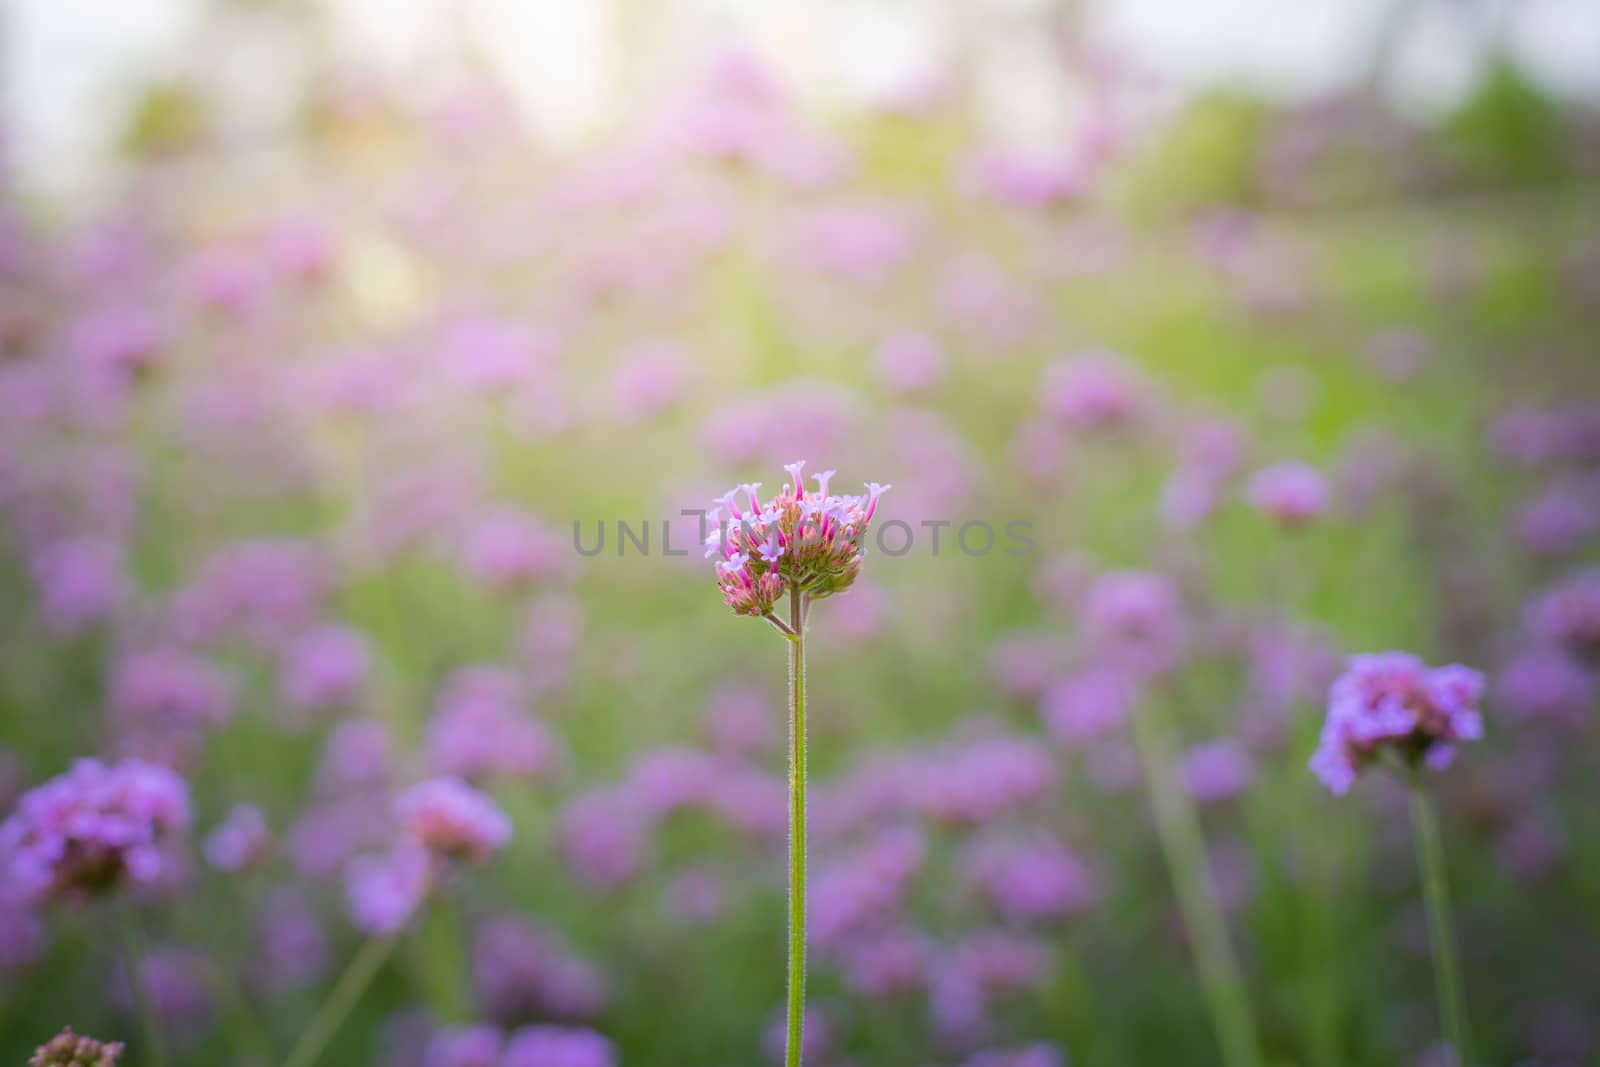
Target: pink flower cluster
<point>1290,494</point>
<point>1394,702</point>
<point>810,541</point>
<point>451,819</point>
<point>68,1049</point>
<point>93,829</point>
<point>1568,616</point>
<point>444,821</point>
<point>529,1046</point>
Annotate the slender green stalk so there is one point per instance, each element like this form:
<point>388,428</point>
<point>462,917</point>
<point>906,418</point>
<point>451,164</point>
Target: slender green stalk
<point>1441,930</point>
<point>1178,828</point>
<point>155,1052</point>
<point>797,829</point>
<point>441,962</point>
<point>357,976</point>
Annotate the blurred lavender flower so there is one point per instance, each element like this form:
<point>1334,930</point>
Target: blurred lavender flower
<point>240,841</point>
<point>521,971</point>
<point>330,831</point>
<point>1533,436</point>
<point>1188,499</point>
<point>1134,620</point>
<point>861,243</point>
<point>649,380</point>
<point>383,892</point>
<point>1392,702</point>
<point>1217,770</point>
<point>557,1046</point>
<point>1545,685</point>
<point>602,836</point>
<point>740,720</point>
<point>164,693</point>
<point>886,963</point>
<point>262,590</point>
<point>119,342</point>
<point>982,778</point>
<point>1031,1056</point>
<point>356,756</point>
<point>664,780</point>
<point>94,829</point>
<point>1023,663</point>
<point>1031,181</point>
<point>485,353</point>
<point>862,887</point>
<point>464,1046</point>
<point>481,730</point>
<point>979,969</point>
<point>80,582</point>
<point>509,551</point>
<point>1292,495</point>
<point>1559,520</point>
<point>324,668</point>
<point>1095,391</point>
<point>453,821</point>
<point>1088,704</point>
<point>1568,616</point>
<point>175,979</point>
<point>908,363</point>
<point>1029,878</point>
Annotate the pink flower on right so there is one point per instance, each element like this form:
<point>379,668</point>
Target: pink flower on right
<point>1392,701</point>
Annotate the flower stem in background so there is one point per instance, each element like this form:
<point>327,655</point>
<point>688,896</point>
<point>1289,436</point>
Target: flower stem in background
<point>1178,828</point>
<point>797,829</point>
<point>1441,930</point>
<point>154,1052</point>
<point>441,963</point>
<point>357,976</point>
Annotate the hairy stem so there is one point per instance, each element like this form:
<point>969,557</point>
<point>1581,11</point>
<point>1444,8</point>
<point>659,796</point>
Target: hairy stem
<point>357,976</point>
<point>1441,929</point>
<point>1183,844</point>
<point>155,1053</point>
<point>797,829</point>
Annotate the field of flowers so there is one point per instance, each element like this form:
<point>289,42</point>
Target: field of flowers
<point>1218,642</point>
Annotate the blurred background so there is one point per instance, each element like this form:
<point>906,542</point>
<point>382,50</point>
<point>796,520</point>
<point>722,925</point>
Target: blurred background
<point>333,334</point>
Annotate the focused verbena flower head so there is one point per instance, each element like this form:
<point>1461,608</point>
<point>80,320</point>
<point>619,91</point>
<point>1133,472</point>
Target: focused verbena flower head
<point>810,541</point>
<point>68,1049</point>
<point>93,829</point>
<point>1393,702</point>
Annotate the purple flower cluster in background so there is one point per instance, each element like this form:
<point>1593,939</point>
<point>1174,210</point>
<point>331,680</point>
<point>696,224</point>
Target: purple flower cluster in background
<point>1392,703</point>
<point>96,828</point>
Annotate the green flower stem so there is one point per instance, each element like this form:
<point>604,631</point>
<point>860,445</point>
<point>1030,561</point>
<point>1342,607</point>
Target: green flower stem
<point>1441,929</point>
<point>357,976</point>
<point>1178,828</point>
<point>155,1052</point>
<point>797,829</point>
<point>441,962</point>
